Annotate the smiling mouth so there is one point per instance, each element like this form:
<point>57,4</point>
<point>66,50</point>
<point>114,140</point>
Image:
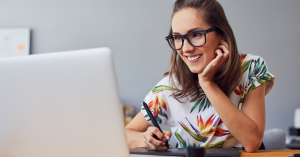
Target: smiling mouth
<point>193,58</point>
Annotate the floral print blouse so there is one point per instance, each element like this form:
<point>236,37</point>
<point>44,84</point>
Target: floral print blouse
<point>197,124</point>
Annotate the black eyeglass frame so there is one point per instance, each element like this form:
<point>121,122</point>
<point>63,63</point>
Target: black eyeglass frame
<point>211,29</point>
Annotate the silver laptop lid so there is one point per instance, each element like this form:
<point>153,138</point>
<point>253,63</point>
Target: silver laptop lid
<point>61,104</point>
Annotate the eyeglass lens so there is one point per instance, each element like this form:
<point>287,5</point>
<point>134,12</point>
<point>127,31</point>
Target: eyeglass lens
<point>195,38</point>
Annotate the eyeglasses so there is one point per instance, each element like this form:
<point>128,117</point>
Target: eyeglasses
<point>195,38</point>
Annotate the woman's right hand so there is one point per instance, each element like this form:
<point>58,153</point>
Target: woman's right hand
<point>156,140</point>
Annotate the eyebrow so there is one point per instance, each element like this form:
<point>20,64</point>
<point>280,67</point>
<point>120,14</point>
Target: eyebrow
<point>191,30</point>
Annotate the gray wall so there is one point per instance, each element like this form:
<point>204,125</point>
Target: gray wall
<point>135,31</point>
<point>270,28</point>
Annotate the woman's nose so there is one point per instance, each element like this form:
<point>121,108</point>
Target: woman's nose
<point>187,47</point>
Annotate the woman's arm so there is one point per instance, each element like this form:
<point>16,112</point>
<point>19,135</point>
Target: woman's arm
<point>135,129</point>
<point>140,134</point>
<point>246,125</point>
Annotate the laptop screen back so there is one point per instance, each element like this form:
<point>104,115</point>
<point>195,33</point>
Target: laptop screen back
<point>61,104</point>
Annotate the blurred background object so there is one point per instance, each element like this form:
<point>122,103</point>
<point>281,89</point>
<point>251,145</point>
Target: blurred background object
<point>14,42</point>
<point>274,139</point>
<point>293,139</point>
<point>128,113</point>
<point>297,119</point>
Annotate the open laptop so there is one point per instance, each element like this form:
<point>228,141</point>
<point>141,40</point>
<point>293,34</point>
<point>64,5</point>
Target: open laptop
<point>63,104</point>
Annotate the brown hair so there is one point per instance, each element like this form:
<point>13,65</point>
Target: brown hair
<point>228,77</point>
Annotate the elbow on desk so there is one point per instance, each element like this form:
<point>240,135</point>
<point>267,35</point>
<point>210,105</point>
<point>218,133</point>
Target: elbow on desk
<point>253,142</point>
<point>252,147</point>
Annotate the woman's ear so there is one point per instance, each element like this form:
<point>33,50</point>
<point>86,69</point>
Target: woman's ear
<point>222,39</point>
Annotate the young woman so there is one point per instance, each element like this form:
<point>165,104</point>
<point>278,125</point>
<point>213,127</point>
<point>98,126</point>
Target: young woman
<point>211,96</point>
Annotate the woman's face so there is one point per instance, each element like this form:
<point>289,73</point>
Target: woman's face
<point>188,20</point>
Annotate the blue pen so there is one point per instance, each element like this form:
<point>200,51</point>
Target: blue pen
<point>153,120</point>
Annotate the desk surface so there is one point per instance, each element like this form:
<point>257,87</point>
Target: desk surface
<point>258,153</point>
<point>269,153</point>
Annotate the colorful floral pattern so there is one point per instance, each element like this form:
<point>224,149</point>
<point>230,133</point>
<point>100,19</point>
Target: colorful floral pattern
<point>209,128</point>
<point>158,103</point>
<point>203,102</point>
<point>193,120</point>
<point>241,90</point>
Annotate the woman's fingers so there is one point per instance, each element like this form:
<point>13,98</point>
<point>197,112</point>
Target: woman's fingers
<point>218,57</point>
<point>224,48</point>
<point>167,134</point>
<point>157,133</point>
<point>222,42</point>
<point>155,137</point>
<point>155,147</point>
<point>150,139</point>
<point>156,140</point>
<point>225,55</point>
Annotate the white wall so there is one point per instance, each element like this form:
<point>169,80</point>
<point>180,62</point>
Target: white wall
<point>135,31</point>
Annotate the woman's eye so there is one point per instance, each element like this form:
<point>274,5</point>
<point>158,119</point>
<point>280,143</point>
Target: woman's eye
<point>177,38</point>
<point>197,34</point>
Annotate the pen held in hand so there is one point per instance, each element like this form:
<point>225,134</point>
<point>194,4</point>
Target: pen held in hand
<point>153,120</point>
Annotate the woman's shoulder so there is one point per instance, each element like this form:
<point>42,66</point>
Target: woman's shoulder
<point>168,80</point>
<point>255,72</point>
<point>164,81</point>
<point>249,57</point>
<point>253,63</point>
<point>162,86</point>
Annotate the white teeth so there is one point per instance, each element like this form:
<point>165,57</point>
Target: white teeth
<point>194,58</point>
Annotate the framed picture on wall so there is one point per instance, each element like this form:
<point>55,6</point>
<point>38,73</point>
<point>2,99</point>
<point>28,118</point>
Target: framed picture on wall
<point>14,42</point>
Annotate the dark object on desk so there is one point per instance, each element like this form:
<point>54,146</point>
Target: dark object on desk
<point>294,135</point>
<point>153,120</point>
<point>195,152</point>
<point>294,131</point>
<point>294,155</point>
<point>293,146</point>
<point>262,146</point>
<point>295,142</point>
<point>210,152</point>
